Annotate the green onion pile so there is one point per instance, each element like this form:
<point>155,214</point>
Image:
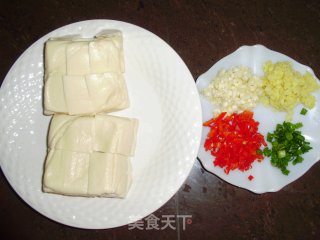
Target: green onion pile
<point>288,144</point>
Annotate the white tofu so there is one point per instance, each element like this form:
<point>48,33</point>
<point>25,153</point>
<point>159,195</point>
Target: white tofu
<point>109,175</point>
<point>107,91</point>
<point>90,156</point>
<point>55,56</point>
<point>66,172</point>
<point>85,76</point>
<point>105,56</point>
<point>115,134</point>
<point>77,58</point>
<point>114,36</point>
<point>101,133</point>
<point>89,175</point>
<point>76,96</point>
<point>54,99</point>
<point>76,135</point>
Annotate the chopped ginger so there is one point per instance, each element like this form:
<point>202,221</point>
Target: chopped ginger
<point>284,88</point>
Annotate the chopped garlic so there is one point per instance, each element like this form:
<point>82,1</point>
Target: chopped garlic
<point>234,90</point>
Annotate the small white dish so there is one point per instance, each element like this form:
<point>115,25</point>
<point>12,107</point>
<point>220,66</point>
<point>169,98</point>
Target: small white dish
<point>266,177</point>
<point>163,97</point>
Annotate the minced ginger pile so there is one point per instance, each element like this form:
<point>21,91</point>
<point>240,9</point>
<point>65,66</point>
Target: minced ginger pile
<point>284,88</point>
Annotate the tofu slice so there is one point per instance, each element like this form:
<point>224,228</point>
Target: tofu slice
<point>108,92</point>
<point>54,99</point>
<point>76,96</point>
<point>55,56</point>
<point>109,175</point>
<point>106,55</point>
<point>122,130</point>
<point>66,173</point>
<point>114,36</point>
<point>90,156</point>
<point>100,133</point>
<point>77,58</point>
<point>76,135</point>
<point>88,175</point>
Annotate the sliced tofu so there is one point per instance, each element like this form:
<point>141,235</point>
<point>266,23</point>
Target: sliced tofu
<point>109,175</point>
<point>66,173</point>
<point>54,99</point>
<point>76,96</point>
<point>88,175</point>
<point>85,76</point>
<point>77,136</point>
<point>55,56</point>
<point>115,36</point>
<point>106,55</point>
<point>107,91</point>
<point>90,156</point>
<point>77,58</point>
<point>57,127</point>
<point>101,133</point>
<point>122,130</point>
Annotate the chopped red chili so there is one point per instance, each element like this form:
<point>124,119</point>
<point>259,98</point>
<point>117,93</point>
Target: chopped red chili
<point>250,177</point>
<point>234,141</point>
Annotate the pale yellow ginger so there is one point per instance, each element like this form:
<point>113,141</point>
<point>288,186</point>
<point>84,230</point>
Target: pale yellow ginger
<point>284,88</point>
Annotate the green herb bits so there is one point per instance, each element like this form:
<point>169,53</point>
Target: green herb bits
<point>288,145</point>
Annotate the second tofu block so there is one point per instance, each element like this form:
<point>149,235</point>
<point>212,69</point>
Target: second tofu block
<point>90,156</point>
<point>85,76</point>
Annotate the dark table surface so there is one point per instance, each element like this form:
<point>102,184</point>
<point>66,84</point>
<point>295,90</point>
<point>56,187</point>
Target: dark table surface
<point>201,32</point>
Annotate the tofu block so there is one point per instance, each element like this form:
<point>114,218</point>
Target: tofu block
<point>55,56</point>
<point>76,95</point>
<point>53,94</point>
<point>88,175</point>
<point>77,58</point>
<point>101,133</point>
<point>90,156</point>
<point>106,56</point>
<point>108,92</point>
<point>109,175</point>
<point>122,130</point>
<point>116,48</point>
<point>85,76</point>
<point>66,172</point>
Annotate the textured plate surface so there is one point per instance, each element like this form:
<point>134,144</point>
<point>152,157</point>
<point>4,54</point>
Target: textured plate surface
<point>266,177</point>
<point>163,97</point>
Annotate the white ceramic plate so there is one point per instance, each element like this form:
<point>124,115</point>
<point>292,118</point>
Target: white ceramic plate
<point>266,177</point>
<point>163,97</point>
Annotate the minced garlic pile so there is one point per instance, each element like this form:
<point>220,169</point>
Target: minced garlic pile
<point>284,88</point>
<point>234,90</point>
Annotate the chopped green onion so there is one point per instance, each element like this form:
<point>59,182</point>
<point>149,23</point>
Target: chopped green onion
<point>259,151</point>
<point>298,159</point>
<point>289,136</point>
<point>267,152</point>
<point>288,144</point>
<point>281,154</point>
<point>269,137</point>
<point>297,125</point>
<point>274,144</point>
<point>303,111</point>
